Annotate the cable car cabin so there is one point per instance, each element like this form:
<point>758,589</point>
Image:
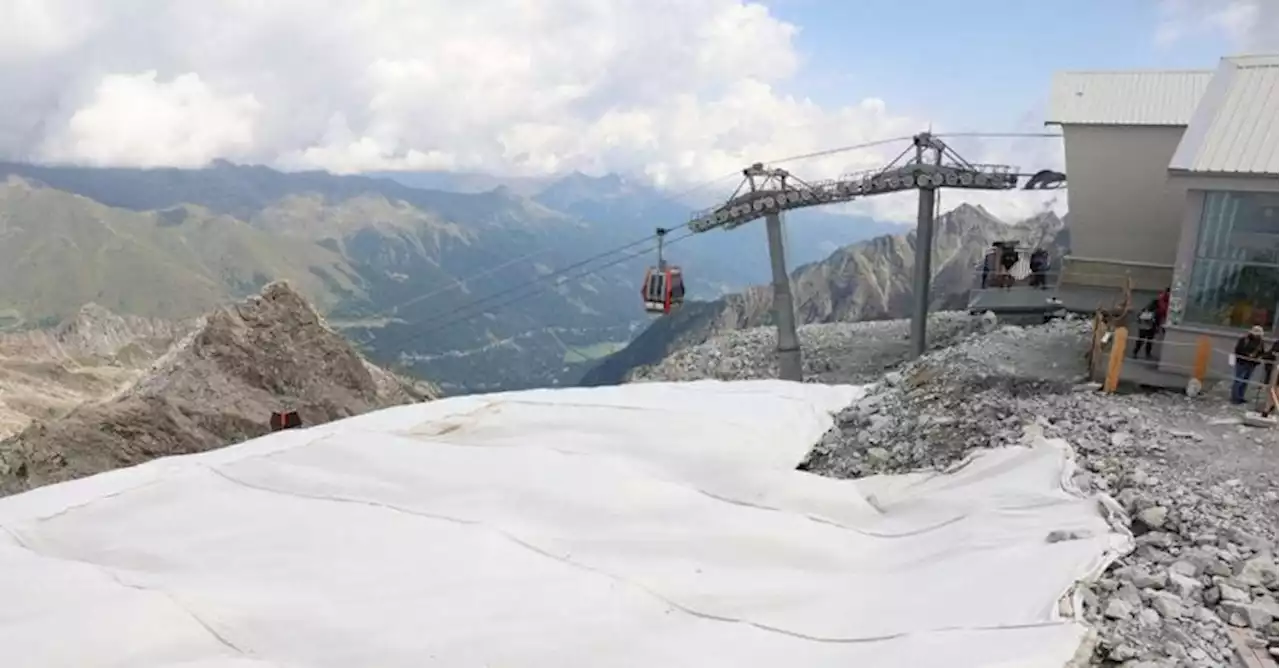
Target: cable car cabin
<point>663,289</point>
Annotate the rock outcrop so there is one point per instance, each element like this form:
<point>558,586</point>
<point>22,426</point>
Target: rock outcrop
<point>217,386</point>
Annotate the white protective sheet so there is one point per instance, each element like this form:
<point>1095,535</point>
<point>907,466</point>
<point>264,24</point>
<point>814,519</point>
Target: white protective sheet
<point>646,525</point>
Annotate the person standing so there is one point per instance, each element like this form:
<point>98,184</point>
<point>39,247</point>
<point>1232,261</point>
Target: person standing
<point>1269,362</point>
<point>1039,266</point>
<point>1008,259</point>
<point>1148,326</point>
<point>1162,307</point>
<point>1248,354</point>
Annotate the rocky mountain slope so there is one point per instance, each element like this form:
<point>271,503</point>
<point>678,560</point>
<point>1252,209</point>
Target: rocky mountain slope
<point>61,250</point>
<point>870,280</point>
<point>47,372</point>
<point>393,266</point>
<point>218,385</point>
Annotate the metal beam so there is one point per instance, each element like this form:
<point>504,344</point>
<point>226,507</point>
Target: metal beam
<point>924,272</point>
<point>770,194</point>
<point>790,364</point>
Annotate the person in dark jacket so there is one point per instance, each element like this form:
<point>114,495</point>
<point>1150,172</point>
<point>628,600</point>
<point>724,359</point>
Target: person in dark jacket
<point>1269,362</point>
<point>1039,266</point>
<point>1148,327</point>
<point>1008,259</point>
<point>1151,323</point>
<point>1248,354</point>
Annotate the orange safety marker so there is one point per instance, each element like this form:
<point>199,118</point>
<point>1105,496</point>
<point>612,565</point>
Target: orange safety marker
<point>1116,362</point>
<point>1201,366</point>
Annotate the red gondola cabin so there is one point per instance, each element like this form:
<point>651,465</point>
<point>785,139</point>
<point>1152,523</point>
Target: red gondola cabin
<point>663,289</point>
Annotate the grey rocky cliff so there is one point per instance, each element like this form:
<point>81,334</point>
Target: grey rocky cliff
<point>216,386</point>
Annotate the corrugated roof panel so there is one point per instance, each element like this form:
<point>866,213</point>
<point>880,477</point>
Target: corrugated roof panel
<point>1237,128</point>
<point>1126,98</point>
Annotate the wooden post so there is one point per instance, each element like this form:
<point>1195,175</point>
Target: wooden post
<point>1116,362</point>
<point>1267,402</point>
<point>1201,366</point>
<point>1094,354</point>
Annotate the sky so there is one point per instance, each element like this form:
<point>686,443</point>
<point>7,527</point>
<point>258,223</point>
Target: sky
<point>676,92</point>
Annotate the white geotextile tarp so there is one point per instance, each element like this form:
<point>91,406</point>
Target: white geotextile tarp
<point>646,525</point>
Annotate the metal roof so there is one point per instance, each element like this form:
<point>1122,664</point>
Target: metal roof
<point>1235,128</point>
<point>1126,98</point>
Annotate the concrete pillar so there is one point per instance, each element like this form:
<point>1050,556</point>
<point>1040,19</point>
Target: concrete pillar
<point>924,272</point>
<point>790,364</point>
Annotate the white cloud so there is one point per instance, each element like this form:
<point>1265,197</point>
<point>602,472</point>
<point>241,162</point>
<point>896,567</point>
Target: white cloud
<point>679,90</point>
<point>137,121</point>
<point>1251,26</point>
<point>33,28</point>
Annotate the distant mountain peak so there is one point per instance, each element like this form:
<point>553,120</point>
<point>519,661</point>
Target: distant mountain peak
<point>576,187</point>
<point>578,176</point>
<point>965,209</point>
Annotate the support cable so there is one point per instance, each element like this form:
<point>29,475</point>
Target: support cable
<point>526,291</point>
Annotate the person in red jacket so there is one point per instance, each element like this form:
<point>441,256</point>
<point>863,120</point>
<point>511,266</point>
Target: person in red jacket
<point>1150,323</point>
<point>1162,307</point>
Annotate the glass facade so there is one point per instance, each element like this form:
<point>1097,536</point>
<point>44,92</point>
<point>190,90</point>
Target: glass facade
<point>1234,276</point>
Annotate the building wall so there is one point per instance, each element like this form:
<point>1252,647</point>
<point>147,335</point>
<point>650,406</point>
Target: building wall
<point>1195,187</point>
<point>1123,204</point>
<point>1179,355</point>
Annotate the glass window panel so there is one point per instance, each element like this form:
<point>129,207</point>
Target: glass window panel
<point>1231,294</point>
<point>1234,277</point>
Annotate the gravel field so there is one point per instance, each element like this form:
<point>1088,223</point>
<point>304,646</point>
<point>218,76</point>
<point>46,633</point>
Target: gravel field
<point>1199,488</point>
<point>833,353</point>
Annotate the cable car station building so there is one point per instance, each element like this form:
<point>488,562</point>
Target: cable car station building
<point>1173,183</point>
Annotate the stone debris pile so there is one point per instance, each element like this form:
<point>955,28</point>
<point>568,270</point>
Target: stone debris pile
<point>833,353</point>
<point>1199,489</point>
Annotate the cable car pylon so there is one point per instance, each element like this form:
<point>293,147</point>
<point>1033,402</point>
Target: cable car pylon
<point>929,165</point>
<point>790,360</point>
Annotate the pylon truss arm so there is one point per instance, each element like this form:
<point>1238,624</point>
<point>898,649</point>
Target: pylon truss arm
<point>1046,179</point>
<point>926,163</point>
<point>752,204</point>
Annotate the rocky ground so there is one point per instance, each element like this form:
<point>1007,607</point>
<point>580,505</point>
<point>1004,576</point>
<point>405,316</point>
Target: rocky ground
<point>833,353</point>
<point>1200,489</point>
<point>45,373</point>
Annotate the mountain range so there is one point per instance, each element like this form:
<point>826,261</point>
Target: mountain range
<point>463,288</point>
<point>869,280</point>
